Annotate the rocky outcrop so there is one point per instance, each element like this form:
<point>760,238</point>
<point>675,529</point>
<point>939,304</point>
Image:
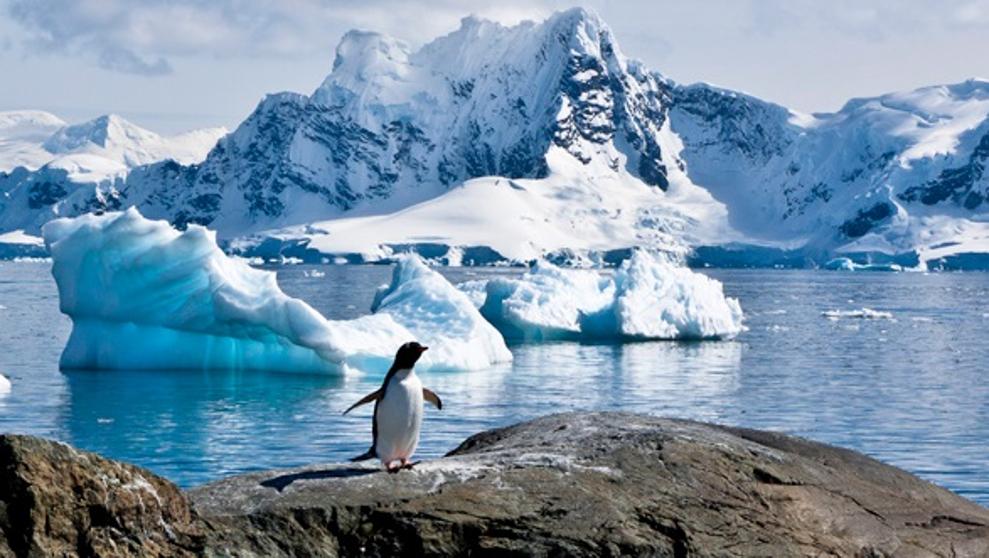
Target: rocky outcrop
<point>598,484</point>
<point>58,501</point>
<point>602,484</point>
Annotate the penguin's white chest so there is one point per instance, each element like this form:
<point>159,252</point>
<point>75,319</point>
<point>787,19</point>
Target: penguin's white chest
<point>399,417</point>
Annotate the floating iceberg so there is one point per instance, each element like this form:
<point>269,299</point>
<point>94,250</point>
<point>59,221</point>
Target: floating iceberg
<point>543,305</point>
<point>649,297</point>
<point>440,316</point>
<point>4,385</point>
<point>143,295</point>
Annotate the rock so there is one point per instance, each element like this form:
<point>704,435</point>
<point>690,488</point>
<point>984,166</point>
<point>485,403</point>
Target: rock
<point>597,484</point>
<point>58,501</point>
<point>600,484</point>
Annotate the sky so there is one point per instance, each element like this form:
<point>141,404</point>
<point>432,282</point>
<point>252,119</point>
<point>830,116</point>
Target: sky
<point>173,65</point>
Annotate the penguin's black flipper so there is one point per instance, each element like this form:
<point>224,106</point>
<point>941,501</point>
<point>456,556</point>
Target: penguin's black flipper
<point>369,454</point>
<point>373,396</point>
<point>430,395</point>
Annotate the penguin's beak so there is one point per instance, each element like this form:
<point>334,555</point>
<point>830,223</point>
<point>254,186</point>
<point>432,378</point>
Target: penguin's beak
<point>423,349</point>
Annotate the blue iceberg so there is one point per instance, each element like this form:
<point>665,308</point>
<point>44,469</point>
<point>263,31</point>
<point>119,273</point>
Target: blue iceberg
<point>143,295</point>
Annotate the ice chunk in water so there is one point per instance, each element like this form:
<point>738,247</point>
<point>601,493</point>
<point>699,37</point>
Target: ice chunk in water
<point>649,297</point>
<point>143,295</point>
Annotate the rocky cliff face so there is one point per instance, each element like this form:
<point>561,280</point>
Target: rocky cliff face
<point>597,484</point>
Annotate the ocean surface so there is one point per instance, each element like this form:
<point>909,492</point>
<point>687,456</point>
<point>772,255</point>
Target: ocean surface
<point>909,387</point>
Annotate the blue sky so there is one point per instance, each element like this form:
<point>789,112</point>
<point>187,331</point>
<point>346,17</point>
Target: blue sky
<point>172,65</point>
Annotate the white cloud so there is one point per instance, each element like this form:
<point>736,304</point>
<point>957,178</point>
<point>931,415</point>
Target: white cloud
<point>142,36</point>
<point>218,57</point>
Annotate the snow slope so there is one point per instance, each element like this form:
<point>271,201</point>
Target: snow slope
<point>143,295</point>
<point>525,219</point>
<point>500,144</point>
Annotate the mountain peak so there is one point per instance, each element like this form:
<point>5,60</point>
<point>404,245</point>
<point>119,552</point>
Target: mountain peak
<point>359,50</point>
<point>577,15</point>
<point>106,131</point>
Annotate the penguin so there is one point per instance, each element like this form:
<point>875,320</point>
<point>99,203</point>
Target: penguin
<point>398,407</point>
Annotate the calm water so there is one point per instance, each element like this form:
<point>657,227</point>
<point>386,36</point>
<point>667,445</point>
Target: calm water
<point>910,390</point>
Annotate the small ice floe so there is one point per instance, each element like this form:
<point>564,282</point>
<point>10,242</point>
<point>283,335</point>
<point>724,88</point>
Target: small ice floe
<point>861,313</point>
<point>104,420</point>
<point>847,264</point>
<point>4,385</point>
<point>315,273</point>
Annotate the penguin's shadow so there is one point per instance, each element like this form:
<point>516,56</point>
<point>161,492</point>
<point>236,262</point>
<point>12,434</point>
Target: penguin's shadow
<point>281,482</point>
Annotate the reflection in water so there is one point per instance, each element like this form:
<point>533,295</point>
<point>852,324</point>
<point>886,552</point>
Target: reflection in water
<point>195,422</point>
<point>680,379</point>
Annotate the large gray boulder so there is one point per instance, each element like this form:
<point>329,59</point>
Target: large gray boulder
<point>599,484</point>
<point>595,484</point>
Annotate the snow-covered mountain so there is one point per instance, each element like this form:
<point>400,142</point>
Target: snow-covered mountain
<point>22,137</point>
<point>391,127</point>
<point>49,168</point>
<point>507,143</point>
<point>898,174</point>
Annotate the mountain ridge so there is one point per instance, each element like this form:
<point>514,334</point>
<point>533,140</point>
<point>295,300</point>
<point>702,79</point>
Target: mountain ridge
<point>597,153</point>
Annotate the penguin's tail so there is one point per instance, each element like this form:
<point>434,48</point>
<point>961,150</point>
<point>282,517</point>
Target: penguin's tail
<point>369,454</point>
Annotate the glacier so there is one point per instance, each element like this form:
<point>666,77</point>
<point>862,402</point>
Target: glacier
<point>143,295</point>
<point>650,296</point>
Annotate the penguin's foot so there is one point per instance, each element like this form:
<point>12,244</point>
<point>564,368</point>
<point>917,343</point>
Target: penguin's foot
<point>406,464</point>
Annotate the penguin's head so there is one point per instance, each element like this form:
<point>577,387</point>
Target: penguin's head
<point>408,354</point>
